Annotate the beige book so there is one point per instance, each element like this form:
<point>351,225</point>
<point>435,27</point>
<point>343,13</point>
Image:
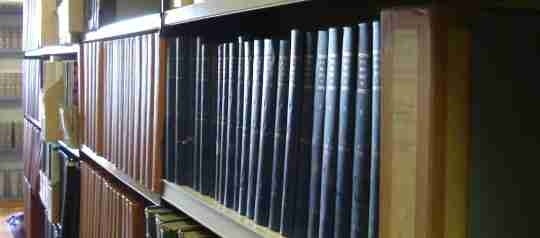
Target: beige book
<point>70,20</point>
<point>47,22</point>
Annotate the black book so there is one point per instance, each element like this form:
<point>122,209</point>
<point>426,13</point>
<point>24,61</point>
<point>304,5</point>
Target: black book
<point>264,168</point>
<point>279,135</point>
<point>246,115</point>
<point>170,131</point>
<point>303,164</point>
<point>362,135</point>
<point>184,104</point>
<point>208,120</point>
<point>330,139</point>
<point>197,116</point>
<point>217,180</point>
<point>239,117</point>
<point>70,200</point>
<point>180,108</point>
<point>224,120</point>
<point>347,88</point>
<point>375,136</point>
<point>293,120</point>
<point>317,134</point>
<point>255,123</point>
<point>231,124</point>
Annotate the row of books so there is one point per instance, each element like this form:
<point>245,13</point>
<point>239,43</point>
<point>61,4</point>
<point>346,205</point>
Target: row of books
<point>10,37</point>
<point>11,135</point>
<point>10,85</point>
<point>284,131</point>
<point>123,108</point>
<point>165,223</point>
<point>11,184</point>
<point>31,81</point>
<point>108,209</point>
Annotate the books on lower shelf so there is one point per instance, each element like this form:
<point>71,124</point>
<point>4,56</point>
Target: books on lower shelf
<point>11,184</point>
<point>281,130</point>
<point>10,85</point>
<point>11,136</point>
<point>10,37</point>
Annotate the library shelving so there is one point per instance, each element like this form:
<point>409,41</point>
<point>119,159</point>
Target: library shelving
<point>53,50</point>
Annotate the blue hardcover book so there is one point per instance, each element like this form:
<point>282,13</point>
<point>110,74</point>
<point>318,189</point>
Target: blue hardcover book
<point>330,138</point>
<point>317,134</point>
<point>239,116</point>
<point>268,100</point>
<point>246,115</point>
<point>255,124</point>
<point>279,135</point>
<point>362,135</point>
<point>231,124</point>
<point>217,179</point>
<point>342,215</point>
<point>375,136</point>
<point>303,174</point>
<point>224,122</point>
<point>170,131</point>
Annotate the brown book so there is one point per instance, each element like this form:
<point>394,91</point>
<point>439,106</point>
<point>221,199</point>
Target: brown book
<point>425,123</point>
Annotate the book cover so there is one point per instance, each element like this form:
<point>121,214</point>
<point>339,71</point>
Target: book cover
<point>232,74</point>
<point>246,118</point>
<point>238,121</point>
<point>375,134</point>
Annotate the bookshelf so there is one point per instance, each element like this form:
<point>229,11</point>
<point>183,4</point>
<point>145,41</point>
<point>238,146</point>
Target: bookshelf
<point>53,50</point>
<point>137,25</point>
<point>10,53</point>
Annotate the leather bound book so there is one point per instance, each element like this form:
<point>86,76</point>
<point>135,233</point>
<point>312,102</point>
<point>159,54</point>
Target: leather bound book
<point>317,139</point>
<point>279,135</point>
<point>208,113</point>
<point>170,132</point>
<point>362,134</point>
<point>232,62</point>
<point>246,118</point>
<point>224,122</point>
<point>330,139</point>
<point>345,132</point>
<point>197,117</point>
<point>255,125</point>
<point>219,108</point>
<point>264,169</point>
<point>238,120</point>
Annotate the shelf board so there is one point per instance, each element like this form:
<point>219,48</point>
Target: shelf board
<point>6,52</point>
<point>211,9</point>
<point>69,149</point>
<point>34,122</point>
<point>121,176</point>
<point>219,219</point>
<point>53,50</point>
<point>131,26</point>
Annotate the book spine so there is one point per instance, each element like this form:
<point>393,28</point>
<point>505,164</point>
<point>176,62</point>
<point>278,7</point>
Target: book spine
<point>189,91</point>
<point>239,116</point>
<point>217,189</point>
<point>180,109</point>
<point>231,125</point>
<point>246,115</point>
<point>224,122</point>
<point>328,170</point>
<point>171,107</point>
<point>317,134</point>
<point>264,168</point>
<point>375,135</point>
<point>206,123</point>
<point>279,135</point>
<point>255,120</point>
<point>303,166</point>
<point>362,135</point>
<point>197,116</point>
<point>342,213</point>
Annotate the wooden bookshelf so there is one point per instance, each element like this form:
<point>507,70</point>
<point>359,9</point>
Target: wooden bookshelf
<point>121,176</point>
<point>216,217</point>
<point>127,27</point>
<point>53,50</point>
<point>211,9</point>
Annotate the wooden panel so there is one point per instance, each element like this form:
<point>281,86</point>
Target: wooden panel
<point>425,132</point>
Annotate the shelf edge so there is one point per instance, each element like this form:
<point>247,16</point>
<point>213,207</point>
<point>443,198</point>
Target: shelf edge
<point>137,25</point>
<point>123,178</point>
<point>52,50</point>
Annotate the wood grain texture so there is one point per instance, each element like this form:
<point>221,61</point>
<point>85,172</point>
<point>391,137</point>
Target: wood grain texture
<point>425,124</point>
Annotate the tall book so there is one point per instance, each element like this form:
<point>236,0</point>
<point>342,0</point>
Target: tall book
<point>330,139</point>
<point>170,133</point>
<point>224,121</point>
<point>255,125</point>
<point>375,135</point>
<point>425,122</point>
<point>197,117</point>
<point>345,133</point>
<point>231,124</point>
<point>206,168</point>
<point>217,188</point>
<point>238,121</point>
<point>246,118</point>
<point>179,176</point>
<point>317,133</point>
<point>362,135</point>
<point>264,168</point>
<point>279,135</point>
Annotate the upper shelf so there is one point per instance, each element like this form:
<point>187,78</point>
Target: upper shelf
<point>210,9</point>
<point>4,52</point>
<point>141,24</point>
<point>53,50</point>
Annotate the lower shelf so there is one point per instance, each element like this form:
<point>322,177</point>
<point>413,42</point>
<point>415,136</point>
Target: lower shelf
<point>219,219</point>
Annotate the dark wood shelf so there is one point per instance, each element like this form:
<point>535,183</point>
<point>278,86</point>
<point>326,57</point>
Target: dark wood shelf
<point>121,176</point>
<point>131,26</point>
<point>216,217</point>
<point>211,9</point>
<point>33,121</point>
<point>53,50</point>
